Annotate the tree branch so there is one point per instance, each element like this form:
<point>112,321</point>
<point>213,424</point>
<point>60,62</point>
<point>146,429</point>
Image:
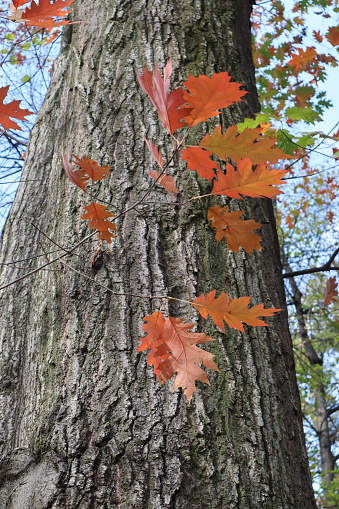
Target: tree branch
<point>9,135</point>
<point>324,268</point>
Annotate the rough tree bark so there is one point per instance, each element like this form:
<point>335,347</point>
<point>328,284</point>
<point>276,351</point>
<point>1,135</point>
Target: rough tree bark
<point>84,423</point>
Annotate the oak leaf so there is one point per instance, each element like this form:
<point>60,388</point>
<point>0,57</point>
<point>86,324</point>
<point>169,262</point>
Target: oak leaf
<point>199,160</point>
<point>165,181</point>
<point>246,144</point>
<point>91,168</point>
<point>19,3</point>
<point>254,183</point>
<point>331,292</point>
<point>12,110</point>
<point>155,153</point>
<point>234,312</point>
<point>167,104</point>
<point>174,351</point>
<point>41,14</point>
<point>333,36</point>
<point>206,96</point>
<point>302,58</point>
<point>97,215</point>
<point>237,232</point>
<point>78,177</point>
<point>317,35</point>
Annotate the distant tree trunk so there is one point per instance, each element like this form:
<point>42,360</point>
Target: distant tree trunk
<point>322,410</point>
<point>84,422</point>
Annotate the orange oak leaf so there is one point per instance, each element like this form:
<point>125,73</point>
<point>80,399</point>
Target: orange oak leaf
<point>237,232</point>
<point>246,144</point>
<point>97,215</point>
<point>199,160</point>
<point>41,14</point>
<point>244,180</point>
<point>19,3</point>
<point>174,351</point>
<point>165,181</point>
<point>91,168</point>
<point>234,312</point>
<point>167,104</point>
<point>206,96</point>
<point>317,35</point>
<point>52,37</point>
<point>331,291</point>
<point>11,109</point>
<point>153,326</point>
<point>302,58</point>
<point>333,36</point>
<point>155,153</point>
<point>78,177</point>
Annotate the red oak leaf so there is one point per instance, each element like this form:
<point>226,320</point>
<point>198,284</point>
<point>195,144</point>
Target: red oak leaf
<point>244,180</point>
<point>333,36</point>
<point>11,109</point>
<point>249,143</point>
<point>155,153</point>
<point>199,160</point>
<point>331,291</point>
<point>91,168</point>
<point>302,58</point>
<point>45,11</point>
<point>237,232</point>
<point>234,312</point>
<point>206,96</point>
<point>78,177</point>
<point>174,351</point>
<point>165,181</point>
<point>166,103</point>
<point>97,215</point>
<point>19,3</point>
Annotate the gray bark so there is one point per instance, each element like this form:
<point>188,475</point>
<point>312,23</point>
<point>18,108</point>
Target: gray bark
<point>84,422</point>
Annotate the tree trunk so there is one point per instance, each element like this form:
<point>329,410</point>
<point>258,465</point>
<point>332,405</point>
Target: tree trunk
<point>322,414</point>
<point>84,422</point>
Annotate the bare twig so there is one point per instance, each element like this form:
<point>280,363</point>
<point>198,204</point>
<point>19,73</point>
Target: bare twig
<point>324,268</point>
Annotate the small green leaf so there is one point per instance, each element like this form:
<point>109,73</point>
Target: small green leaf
<point>25,78</point>
<point>306,114</point>
<point>251,123</point>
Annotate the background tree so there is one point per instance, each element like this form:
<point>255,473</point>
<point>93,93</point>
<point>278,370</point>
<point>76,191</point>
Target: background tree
<point>296,44</point>
<point>85,424</point>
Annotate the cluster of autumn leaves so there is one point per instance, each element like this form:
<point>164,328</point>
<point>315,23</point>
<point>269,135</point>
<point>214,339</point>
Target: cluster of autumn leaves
<point>172,346</point>
<point>41,14</point>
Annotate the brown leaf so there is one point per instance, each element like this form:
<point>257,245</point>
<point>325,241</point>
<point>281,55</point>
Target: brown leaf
<point>331,291</point>
<point>91,168</point>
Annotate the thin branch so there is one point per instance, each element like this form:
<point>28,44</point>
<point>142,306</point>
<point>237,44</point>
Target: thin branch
<point>9,135</point>
<point>50,262</point>
<point>324,268</point>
